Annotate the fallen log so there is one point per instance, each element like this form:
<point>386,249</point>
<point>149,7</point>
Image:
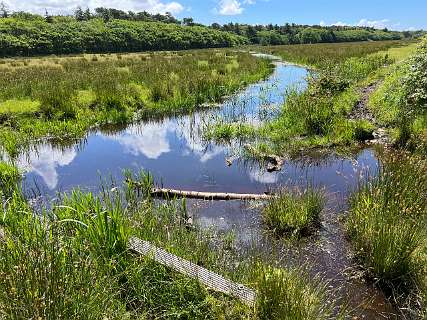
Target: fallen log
<point>170,193</point>
<point>210,279</point>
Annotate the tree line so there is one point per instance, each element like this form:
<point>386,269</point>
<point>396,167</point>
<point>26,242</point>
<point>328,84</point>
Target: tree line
<point>26,34</point>
<point>301,34</point>
<point>113,30</point>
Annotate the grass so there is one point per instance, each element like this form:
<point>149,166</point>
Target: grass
<point>399,101</point>
<point>65,96</point>
<point>321,116</point>
<point>402,53</point>
<point>387,100</point>
<point>291,294</point>
<point>294,213</point>
<point>9,178</point>
<point>387,225</point>
<point>19,107</point>
<point>71,261</point>
<point>316,55</point>
<point>223,132</point>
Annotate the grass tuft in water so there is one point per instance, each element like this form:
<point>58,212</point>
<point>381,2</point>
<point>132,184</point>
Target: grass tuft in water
<point>294,213</point>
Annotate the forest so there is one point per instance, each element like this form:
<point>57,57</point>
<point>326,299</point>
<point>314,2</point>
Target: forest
<point>112,30</point>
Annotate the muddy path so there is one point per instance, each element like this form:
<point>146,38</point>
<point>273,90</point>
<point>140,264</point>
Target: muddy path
<point>361,111</point>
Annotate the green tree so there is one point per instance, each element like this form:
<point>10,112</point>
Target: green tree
<point>4,12</point>
<point>79,14</point>
<point>188,21</point>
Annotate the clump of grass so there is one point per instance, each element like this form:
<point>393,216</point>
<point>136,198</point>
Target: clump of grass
<point>386,224</point>
<point>225,132</point>
<point>19,107</point>
<point>294,212</point>
<point>47,275</point>
<point>57,100</point>
<point>362,130</point>
<point>290,294</point>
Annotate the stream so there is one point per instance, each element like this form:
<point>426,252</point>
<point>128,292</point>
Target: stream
<point>174,152</point>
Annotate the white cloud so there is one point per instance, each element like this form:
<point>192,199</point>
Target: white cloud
<point>377,24</point>
<point>45,161</point>
<point>340,24</point>
<point>68,6</point>
<point>230,8</point>
<point>151,141</point>
<point>264,177</point>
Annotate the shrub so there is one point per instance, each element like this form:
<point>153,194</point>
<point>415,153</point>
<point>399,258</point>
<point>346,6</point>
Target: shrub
<point>416,81</point>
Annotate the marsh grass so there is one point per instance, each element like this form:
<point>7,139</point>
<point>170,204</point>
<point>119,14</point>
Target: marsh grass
<point>9,178</point>
<point>317,55</point>
<point>291,295</point>
<point>73,94</point>
<point>71,261</point>
<point>387,225</point>
<point>295,213</point>
<point>318,116</point>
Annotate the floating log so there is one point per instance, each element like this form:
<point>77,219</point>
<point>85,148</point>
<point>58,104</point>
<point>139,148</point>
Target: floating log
<point>160,192</point>
<point>210,279</point>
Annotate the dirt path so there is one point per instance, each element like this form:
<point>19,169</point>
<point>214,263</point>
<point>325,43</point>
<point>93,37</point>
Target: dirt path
<point>361,112</point>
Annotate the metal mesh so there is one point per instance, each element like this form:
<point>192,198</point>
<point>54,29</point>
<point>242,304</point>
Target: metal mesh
<point>210,279</point>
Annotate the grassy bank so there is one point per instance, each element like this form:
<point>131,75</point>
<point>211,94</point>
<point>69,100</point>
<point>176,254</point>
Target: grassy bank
<point>63,97</point>
<point>71,261</point>
<point>326,114</point>
<point>387,226</point>
<point>399,103</point>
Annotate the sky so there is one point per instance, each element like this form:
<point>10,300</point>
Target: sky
<point>393,14</point>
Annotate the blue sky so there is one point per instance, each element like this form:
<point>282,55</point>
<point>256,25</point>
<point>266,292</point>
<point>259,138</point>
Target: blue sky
<point>394,14</point>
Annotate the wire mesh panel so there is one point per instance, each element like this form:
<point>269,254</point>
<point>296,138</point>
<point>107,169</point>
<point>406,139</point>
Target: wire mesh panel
<point>210,279</point>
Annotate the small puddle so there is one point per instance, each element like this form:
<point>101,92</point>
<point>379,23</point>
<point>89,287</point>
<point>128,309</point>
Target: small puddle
<point>174,152</point>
